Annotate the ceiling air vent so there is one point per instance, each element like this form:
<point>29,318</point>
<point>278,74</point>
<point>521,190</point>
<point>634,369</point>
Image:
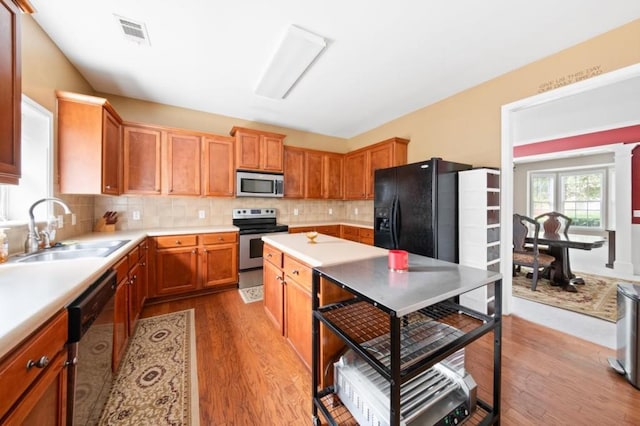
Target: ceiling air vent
<point>133,31</point>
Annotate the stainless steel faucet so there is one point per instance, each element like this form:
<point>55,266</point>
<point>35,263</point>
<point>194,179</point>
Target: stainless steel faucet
<point>33,237</point>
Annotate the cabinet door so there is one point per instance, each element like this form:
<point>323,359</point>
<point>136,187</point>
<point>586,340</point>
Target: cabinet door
<point>10,95</point>
<point>135,297</point>
<point>272,279</point>
<point>220,265</point>
<point>183,164</point>
<point>272,148</point>
<point>332,176</point>
<point>313,182</point>
<point>141,160</point>
<point>120,322</point>
<point>45,404</point>
<point>176,270</point>
<point>379,158</point>
<point>293,172</point>
<point>111,148</point>
<point>298,319</point>
<point>248,151</point>
<point>218,169</point>
<point>354,175</point>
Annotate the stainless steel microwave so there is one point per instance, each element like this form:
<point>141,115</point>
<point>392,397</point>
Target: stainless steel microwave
<point>253,184</point>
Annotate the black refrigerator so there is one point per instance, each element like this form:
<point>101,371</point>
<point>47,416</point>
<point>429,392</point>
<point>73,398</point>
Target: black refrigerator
<point>416,208</point>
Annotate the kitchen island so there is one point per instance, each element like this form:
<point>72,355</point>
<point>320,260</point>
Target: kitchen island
<point>289,260</point>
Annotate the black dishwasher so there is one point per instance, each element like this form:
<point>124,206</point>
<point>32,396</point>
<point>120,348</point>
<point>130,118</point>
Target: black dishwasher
<point>90,349</point>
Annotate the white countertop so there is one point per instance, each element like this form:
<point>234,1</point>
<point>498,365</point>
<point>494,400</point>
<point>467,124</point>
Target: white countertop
<point>31,293</point>
<point>327,250</point>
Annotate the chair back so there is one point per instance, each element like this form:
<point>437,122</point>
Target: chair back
<point>521,230</point>
<point>554,222</point>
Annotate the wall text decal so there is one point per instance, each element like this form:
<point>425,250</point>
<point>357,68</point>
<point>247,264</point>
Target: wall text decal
<point>570,78</point>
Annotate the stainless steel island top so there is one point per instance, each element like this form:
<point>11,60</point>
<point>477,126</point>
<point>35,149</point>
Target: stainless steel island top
<point>428,281</point>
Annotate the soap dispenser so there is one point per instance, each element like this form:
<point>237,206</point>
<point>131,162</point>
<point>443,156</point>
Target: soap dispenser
<point>4,245</point>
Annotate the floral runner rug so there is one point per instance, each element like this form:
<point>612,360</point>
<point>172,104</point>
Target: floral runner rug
<point>157,383</point>
<point>251,294</point>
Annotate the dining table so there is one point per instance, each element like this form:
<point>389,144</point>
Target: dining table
<point>558,246</point>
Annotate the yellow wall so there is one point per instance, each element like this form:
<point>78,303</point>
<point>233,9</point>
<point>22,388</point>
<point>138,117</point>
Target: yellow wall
<point>45,68</point>
<point>466,127</point>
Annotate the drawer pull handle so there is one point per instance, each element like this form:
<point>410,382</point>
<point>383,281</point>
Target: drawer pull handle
<point>178,242</point>
<point>269,255</point>
<point>41,363</point>
<point>220,239</point>
<point>295,272</point>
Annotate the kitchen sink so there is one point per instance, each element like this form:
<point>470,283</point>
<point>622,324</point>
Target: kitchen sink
<point>72,251</point>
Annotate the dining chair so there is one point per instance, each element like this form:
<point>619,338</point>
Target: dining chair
<point>554,222</point>
<point>528,255</point>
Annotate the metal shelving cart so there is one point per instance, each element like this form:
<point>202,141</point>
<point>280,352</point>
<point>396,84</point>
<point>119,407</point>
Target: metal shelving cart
<point>404,326</point>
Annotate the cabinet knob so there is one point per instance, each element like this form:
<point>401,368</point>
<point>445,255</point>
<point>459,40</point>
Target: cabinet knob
<point>269,255</point>
<point>72,361</point>
<point>41,363</point>
<point>193,252</point>
<point>178,242</point>
<point>108,186</point>
<point>205,251</point>
<point>220,239</point>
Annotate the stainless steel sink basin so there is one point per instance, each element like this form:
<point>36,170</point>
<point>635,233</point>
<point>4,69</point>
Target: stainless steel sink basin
<point>73,251</point>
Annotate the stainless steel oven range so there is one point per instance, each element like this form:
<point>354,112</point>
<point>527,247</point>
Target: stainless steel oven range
<point>253,224</point>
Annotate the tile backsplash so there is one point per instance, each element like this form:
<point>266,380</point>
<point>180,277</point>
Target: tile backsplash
<point>167,212</point>
<point>176,212</point>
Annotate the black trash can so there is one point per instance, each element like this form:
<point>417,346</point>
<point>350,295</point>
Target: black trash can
<point>628,333</point>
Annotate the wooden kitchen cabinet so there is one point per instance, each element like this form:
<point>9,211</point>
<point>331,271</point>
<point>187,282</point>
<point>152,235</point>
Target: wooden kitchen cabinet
<point>11,93</point>
<point>294,172</point>
<point>176,264</point>
<point>219,166</point>
<point>360,166</point>
<point>120,312</point>
<point>258,150</point>
<point>297,307</point>
<point>357,234</point>
<point>273,282</point>
<point>35,377</point>
<point>219,254</point>
<point>142,159</point>
<point>183,163</point>
<point>332,230</point>
<point>186,264</point>
<point>332,181</point>
<point>89,145</point>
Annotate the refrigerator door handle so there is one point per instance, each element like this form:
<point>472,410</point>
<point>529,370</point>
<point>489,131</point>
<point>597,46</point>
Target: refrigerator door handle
<point>395,225</point>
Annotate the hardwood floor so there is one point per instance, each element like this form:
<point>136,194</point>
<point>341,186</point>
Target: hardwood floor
<point>248,375</point>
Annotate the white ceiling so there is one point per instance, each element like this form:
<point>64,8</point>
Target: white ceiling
<point>384,59</point>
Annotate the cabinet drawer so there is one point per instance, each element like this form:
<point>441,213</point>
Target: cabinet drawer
<point>349,231</point>
<point>172,241</point>
<point>134,256</point>
<point>332,230</point>
<point>219,238</point>
<point>121,268</point>
<point>365,233</point>
<point>299,272</point>
<point>300,229</point>
<point>272,255</point>
<point>47,342</point>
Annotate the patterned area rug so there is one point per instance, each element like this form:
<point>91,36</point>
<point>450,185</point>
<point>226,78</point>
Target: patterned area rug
<point>251,294</point>
<point>157,383</point>
<point>597,297</point>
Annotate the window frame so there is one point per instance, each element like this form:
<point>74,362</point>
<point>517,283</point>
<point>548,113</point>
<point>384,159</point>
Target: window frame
<point>558,191</point>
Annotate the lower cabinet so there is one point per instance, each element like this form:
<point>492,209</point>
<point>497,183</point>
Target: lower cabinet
<point>357,234</point>
<point>287,302</point>
<point>186,264</point>
<point>34,378</point>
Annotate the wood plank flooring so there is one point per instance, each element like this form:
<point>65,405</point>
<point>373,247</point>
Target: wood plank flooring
<point>248,375</point>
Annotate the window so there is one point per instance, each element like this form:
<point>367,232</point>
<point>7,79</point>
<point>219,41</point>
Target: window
<point>579,194</point>
<point>36,180</point>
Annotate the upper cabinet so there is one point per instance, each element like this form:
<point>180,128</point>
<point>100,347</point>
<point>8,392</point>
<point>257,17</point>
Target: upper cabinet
<point>218,166</point>
<point>10,91</point>
<point>183,163</point>
<point>142,149</point>
<point>258,150</point>
<point>360,166</point>
<point>293,172</point>
<point>312,174</point>
<point>89,141</point>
